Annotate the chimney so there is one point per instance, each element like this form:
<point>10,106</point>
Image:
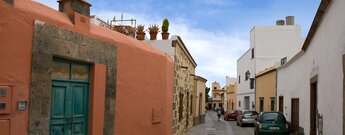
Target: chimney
<point>78,11</point>
<point>290,20</point>
<point>80,6</point>
<point>280,22</point>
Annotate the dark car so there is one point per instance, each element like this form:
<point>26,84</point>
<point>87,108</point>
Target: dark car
<point>271,123</point>
<point>247,117</point>
<point>232,115</point>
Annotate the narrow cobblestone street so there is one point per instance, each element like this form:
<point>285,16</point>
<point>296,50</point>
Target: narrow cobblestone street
<point>214,127</point>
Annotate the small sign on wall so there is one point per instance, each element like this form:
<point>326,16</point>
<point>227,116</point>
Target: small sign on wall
<point>22,105</point>
<point>156,115</point>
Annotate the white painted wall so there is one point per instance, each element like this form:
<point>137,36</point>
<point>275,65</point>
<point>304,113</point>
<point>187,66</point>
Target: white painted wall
<point>163,45</point>
<point>244,64</point>
<point>270,44</point>
<point>322,58</point>
<point>230,80</point>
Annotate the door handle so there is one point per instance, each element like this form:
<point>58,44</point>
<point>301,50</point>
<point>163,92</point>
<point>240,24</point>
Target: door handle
<point>70,119</point>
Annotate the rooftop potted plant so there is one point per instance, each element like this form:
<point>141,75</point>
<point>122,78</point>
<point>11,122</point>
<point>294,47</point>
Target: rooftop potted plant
<point>119,28</point>
<point>165,29</point>
<point>140,32</point>
<point>130,31</point>
<point>153,29</point>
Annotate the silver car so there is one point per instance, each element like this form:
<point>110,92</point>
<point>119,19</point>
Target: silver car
<point>247,117</point>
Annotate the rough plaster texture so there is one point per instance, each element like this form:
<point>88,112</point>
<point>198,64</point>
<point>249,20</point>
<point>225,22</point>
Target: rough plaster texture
<point>81,7</point>
<point>183,82</point>
<point>185,85</point>
<point>50,41</point>
<point>144,74</point>
<point>324,58</point>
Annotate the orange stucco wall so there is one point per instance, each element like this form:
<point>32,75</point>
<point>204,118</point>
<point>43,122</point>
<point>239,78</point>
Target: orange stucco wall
<point>97,97</point>
<point>144,74</point>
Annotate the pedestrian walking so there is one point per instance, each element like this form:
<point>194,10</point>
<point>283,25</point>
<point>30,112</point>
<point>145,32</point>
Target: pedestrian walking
<point>219,113</point>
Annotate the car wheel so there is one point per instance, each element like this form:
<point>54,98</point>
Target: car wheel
<point>237,123</point>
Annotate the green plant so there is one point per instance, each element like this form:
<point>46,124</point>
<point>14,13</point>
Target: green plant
<point>130,30</point>
<point>165,25</point>
<point>119,29</point>
<point>207,90</point>
<point>140,28</point>
<point>153,28</point>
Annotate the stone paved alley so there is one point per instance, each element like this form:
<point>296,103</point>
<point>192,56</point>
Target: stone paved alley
<point>214,127</point>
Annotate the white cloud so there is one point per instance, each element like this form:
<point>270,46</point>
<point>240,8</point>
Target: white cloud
<point>216,53</point>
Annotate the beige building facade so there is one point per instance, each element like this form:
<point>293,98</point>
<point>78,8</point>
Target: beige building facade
<point>199,100</point>
<point>217,96</point>
<point>184,83</point>
<point>231,96</point>
<point>266,89</point>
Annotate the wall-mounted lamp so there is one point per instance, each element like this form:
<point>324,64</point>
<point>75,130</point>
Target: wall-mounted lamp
<point>184,67</point>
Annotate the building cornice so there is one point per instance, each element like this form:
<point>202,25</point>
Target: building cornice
<point>266,71</point>
<point>185,50</point>
<point>294,58</point>
<point>200,78</point>
<point>244,54</point>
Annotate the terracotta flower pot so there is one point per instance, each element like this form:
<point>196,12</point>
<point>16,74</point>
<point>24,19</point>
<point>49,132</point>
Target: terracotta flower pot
<point>131,35</point>
<point>153,35</point>
<point>165,35</point>
<point>141,35</point>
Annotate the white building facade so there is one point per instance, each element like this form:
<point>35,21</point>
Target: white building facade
<point>311,86</point>
<point>268,46</point>
<point>245,92</point>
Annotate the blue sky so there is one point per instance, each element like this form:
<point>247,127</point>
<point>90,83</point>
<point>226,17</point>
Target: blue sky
<point>216,32</point>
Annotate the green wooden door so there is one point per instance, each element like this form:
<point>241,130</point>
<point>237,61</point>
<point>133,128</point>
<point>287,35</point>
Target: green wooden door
<point>70,95</point>
<point>69,108</point>
<point>79,108</point>
<point>59,113</point>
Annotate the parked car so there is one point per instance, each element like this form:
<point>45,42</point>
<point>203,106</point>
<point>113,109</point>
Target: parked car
<point>247,117</point>
<point>271,123</point>
<point>232,115</point>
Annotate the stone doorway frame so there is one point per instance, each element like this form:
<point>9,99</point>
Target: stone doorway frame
<point>50,41</point>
